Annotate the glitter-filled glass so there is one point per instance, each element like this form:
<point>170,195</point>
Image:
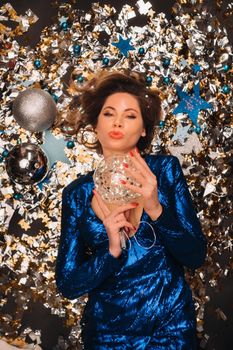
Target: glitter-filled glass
<point>108,176</point>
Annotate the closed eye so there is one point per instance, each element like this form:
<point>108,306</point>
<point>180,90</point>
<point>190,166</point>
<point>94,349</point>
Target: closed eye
<point>131,116</point>
<point>108,114</point>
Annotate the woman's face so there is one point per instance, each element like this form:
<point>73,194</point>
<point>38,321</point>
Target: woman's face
<point>120,124</point>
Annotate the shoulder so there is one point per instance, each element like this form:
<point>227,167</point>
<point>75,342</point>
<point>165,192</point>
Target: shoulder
<point>166,168</point>
<point>163,161</point>
<point>79,188</point>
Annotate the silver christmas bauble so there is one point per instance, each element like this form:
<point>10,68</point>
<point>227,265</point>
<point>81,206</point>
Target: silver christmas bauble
<point>34,110</point>
<point>27,164</point>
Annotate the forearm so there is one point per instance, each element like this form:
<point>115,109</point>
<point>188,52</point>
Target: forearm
<point>155,213</point>
<point>74,281</point>
<point>182,237</point>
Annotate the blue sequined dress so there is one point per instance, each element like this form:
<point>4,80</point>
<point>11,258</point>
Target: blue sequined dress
<point>139,300</point>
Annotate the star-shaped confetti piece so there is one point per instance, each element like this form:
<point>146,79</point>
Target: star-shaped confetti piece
<point>143,7</point>
<point>181,133</point>
<point>191,104</point>
<point>24,225</point>
<point>124,46</point>
<point>54,148</point>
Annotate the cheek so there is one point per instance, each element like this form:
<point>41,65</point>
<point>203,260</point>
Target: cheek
<point>99,127</point>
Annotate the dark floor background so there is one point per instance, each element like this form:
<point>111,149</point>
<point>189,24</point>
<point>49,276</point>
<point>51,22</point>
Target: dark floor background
<point>219,331</point>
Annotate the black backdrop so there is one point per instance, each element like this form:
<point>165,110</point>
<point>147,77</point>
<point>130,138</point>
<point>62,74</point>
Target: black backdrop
<point>218,330</point>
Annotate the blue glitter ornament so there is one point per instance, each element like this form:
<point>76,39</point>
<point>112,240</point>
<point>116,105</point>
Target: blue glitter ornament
<point>124,46</point>
<point>161,124</point>
<point>5,153</point>
<point>197,130</point>
<point>76,49</point>
<point>18,196</point>
<point>70,144</point>
<point>226,89</point>
<point>166,62</point>
<point>105,61</point>
<point>149,80</point>
<point>226,67</point>
<point>166,80</point>
<point>141,51</point>
<point>37,63</point>
<point>64,26</point>
<point>80,78</point>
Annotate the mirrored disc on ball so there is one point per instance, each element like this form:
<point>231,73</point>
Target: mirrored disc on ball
<point>27,164</point>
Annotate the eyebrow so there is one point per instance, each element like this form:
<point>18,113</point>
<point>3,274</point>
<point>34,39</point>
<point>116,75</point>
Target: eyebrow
<point>126,110</point>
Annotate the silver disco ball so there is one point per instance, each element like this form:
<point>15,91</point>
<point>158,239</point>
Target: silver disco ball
<point>27,164</point>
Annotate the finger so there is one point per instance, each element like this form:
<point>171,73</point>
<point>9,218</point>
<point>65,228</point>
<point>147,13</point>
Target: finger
<point>139,162</point>
<point>135,175</point>
<point>116,225</point>
<point>101,204</point>
<point>127,214</point>
<point>123,223</point>
<point>142,181</point>
<point>124,208</point>
<point>117,218</point>
<point>134,188</point>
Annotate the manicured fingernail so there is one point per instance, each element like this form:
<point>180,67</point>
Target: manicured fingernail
<point>127,230</point>
<point>135,228</point>
<point>131,153</point>
<point>126,165</point>
<point>135,204</point>
<point>123,182</point>
<point>137,150</point>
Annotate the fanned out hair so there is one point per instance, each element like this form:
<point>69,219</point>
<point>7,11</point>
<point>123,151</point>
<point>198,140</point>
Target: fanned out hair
<point>83,114</point>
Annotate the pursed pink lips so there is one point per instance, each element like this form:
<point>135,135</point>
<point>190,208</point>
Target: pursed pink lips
<point>116,134</point>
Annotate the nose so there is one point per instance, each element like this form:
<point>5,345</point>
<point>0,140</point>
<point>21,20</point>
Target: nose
<point>117,122</point>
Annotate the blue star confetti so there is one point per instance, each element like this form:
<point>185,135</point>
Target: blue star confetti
<point>54,148</point>
<point>191,104</point>
<point>196,68</point>
<point>124,46</point>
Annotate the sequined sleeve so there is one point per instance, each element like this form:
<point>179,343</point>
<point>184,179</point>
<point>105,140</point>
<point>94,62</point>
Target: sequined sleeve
<point>75,273</point>
<point>178,225</point>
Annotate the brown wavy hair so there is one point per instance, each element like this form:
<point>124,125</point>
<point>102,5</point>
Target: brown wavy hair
<point>92,96</point>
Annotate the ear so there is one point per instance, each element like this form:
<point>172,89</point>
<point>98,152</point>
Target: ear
<point>143,134</point>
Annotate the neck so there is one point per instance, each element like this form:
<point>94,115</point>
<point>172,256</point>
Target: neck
<point>108,153</point>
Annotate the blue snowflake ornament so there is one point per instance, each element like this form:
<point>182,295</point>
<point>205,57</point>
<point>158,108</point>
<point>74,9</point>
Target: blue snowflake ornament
<point>191,104</point>
<point>124,46</point>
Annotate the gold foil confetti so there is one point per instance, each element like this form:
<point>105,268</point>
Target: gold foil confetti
<point>193,39</point>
